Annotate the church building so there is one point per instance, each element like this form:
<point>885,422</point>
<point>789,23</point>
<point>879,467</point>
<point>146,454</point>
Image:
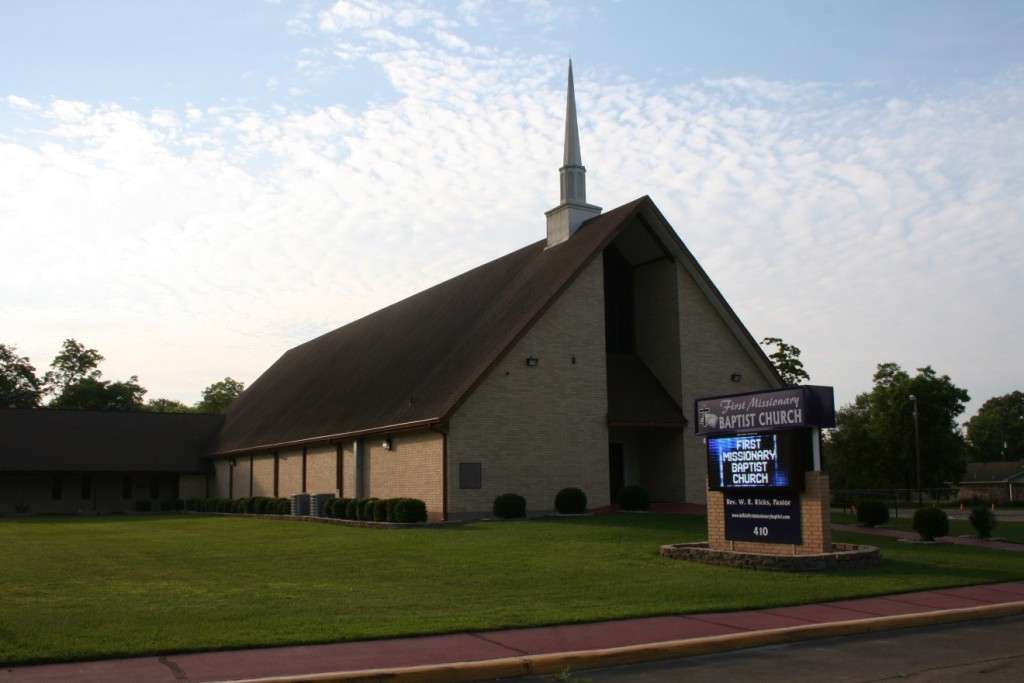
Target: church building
<point>569,362</point>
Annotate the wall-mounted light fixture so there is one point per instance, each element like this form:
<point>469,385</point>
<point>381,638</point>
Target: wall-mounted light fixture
<point>531,361</point>
<point>386,444</point>
<point>735,377</point>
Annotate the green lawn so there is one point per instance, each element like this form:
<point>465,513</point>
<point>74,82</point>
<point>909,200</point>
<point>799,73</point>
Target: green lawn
<point>79,588</point>
<point>1011,531</point>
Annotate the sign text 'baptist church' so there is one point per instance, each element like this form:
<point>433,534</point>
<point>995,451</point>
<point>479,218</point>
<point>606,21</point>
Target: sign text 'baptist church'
<point>809,406</point>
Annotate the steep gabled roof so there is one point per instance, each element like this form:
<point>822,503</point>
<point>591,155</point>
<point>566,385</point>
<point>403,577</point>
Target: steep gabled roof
<point>45,440</point>
<point>410,364</point>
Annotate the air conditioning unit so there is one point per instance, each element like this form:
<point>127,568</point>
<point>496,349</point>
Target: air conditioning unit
<point>300,504</point>
<point>318,504</point>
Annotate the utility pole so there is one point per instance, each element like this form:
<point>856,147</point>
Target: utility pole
<point>917,448</point>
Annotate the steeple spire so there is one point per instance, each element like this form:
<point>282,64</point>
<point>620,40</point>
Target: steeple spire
<point>566,218</point>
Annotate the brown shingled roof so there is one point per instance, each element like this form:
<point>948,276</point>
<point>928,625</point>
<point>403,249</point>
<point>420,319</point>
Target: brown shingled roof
<point>410,364</point>
<point>92,441</point>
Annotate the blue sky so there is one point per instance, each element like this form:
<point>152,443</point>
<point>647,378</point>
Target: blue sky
<point>196,187</point>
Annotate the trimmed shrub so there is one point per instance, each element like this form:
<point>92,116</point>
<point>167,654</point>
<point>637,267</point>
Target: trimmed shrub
<point>634,498</point>
<point>195,504</point>
<point>352,509</point>
<point>328,510</point>
<point>931,522</point>
<point>410,511</point>
<point>872,512</point>
<point>366,509</point>
<point>240,505</point>
<point>338,509</point>
<point>571,501</point>
<point>509,506</point>
<point>282,506</point>
<point>392,502</point>
<point>380,510</point>
<point>168,505</point>
<point>143,505</point>
<point>983,520</point>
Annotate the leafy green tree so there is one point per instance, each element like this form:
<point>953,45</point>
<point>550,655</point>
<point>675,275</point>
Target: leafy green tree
<point>96,394</point>
<point>166,405</point>
<point>997,431</point>
<point>786,359</point>
<point>19,385</point>
<point>219,395</point>
<point>73,364</point>
<point>873,443</point>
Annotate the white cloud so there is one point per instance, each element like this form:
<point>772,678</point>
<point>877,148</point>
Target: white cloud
<point>859,228</point>
<point>21,103</point>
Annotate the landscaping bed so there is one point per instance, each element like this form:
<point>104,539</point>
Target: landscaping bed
<point>93,587</point>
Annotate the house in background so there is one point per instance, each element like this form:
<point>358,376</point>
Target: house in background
<point>998,482</point>
<point>569,362</point>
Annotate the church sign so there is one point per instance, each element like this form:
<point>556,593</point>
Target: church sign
<point>763,518</point>
<point>799,407</point>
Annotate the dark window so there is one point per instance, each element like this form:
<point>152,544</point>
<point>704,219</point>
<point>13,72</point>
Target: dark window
<point>470,475</point>
<point>618,302</point>
<point>86,487</point>
<point>154,488</point>
<point>57,490</point>
<point>126,488</point>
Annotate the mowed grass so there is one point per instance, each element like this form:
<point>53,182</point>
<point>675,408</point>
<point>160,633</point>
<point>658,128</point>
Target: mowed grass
<point>77,588</point>
<point>1008,530</point>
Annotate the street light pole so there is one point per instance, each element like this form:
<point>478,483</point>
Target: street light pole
<point>917,448</point>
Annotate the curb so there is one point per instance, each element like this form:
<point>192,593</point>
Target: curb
<point>527,665</point>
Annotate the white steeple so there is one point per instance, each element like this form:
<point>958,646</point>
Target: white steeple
<point>566,218</point>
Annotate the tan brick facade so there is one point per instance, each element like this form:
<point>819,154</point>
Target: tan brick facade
<point>321,469</point>
<point>105,491</point>
<point>536,430</point>
<point>814,513</point>
<point>710,352</point>
<point>411,469</point>
<point>263,475</point>
<point>289,472</point>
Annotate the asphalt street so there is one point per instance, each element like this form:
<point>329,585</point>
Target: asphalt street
<point>978,651</point>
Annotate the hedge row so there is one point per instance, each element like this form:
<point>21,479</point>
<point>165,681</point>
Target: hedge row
<point>252,506</point>
<point>397,510</point>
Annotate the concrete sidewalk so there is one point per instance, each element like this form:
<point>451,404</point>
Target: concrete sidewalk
<point>490,645</point>
<point>914,536</point>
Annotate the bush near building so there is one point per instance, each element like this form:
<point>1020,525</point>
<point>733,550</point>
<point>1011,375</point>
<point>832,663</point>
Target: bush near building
<point>571,501</point>
<point>931,522</point>
<point>983,520</point>
<point>509,506</point>
<point>872,512</point>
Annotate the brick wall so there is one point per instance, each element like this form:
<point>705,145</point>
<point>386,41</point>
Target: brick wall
<point>411,469</point>
<point>240,477</point>
<point>289,472</point>
<point>816,533</point>
<point>710,354</point>
<point>222,474</point>
<point>537,430</point>
<point>263,475</point>
<point>321,469</point>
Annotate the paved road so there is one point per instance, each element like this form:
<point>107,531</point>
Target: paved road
<point>977,651</point>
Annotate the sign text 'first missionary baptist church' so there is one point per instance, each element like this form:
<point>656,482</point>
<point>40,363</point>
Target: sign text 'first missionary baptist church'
<point>799,407</point>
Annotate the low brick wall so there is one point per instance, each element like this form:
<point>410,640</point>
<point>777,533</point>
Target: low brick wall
<point>843,556</point>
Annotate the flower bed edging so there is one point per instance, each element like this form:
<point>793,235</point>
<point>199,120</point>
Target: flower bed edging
<point>332,520</point>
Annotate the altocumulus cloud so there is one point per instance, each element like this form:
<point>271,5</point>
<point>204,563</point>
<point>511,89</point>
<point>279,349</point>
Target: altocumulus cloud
<point>191,244</point>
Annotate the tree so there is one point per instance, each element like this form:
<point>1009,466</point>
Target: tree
<point>873,443</point>
<point>73,364</point>
<point>786,359</point>
<point>96,394</point>
<point>219,395</point>
<point>19,385</point>
<point>997,431</point>
<point>166,405</point>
